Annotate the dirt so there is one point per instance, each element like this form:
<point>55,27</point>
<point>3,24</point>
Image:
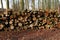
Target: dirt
<point>43,34</point>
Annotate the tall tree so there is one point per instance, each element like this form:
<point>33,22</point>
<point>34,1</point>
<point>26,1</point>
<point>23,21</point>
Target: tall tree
<point>43,4</point>
<point>49,4</point>
<point>21,4</point>
<point>57,4</point>
<point>52,4</point>
<point>13,4</point>
<point>18,5</point>
<point>1,4</point>
<point>7,1</point>
<point>26,4</point>
<point>40,4</point>
<point>33,4</point>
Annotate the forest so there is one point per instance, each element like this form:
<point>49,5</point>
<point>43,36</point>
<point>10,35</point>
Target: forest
<point>29,4</point>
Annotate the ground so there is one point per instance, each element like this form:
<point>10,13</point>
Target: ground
<point>42,34</point>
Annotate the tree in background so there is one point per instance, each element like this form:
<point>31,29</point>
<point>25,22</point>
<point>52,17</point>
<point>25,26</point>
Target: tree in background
<point>33,5</point>
<point>57,4</point>
<point>52,4</point>
<point>49,4</point>
<point>7,1</point>
<point>1,4</point>
<point>13,4</point>
<point>26,4</point>
<point>40,4</point>
<point>21,5</point>
<point>43,4</point>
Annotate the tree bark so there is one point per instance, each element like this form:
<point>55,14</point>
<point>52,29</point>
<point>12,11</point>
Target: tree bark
<point>13,4</point>
<point>39,4</point>
<point>43,4</point>
<point>49,4</point>
<point>26,4</point>
<point>7,1</point>
<point>33,4</point>
<point>1,4</point>
<point>52,4</point>
<point>21,5</point>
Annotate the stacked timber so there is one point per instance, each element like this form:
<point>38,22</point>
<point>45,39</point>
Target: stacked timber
<point>29,20</point>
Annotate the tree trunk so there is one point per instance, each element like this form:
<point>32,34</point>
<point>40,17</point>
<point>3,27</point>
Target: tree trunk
<point>52,4</point>
<point>33,4</point>
<point>18,5</point>
<point>13,4</point>
<point>49,4</point>
<point>43,4</point>
<point>39,4</point>
<point>57,4</point>
<point>26,4</point>
<point>7,4</point>
<point>21,5</point>
<point>1,4</point>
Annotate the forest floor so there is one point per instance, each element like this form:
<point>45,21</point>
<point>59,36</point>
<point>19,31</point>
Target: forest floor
<point>43,34</point>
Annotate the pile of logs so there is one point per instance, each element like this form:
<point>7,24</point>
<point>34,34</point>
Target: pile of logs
<point>29,20</point>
